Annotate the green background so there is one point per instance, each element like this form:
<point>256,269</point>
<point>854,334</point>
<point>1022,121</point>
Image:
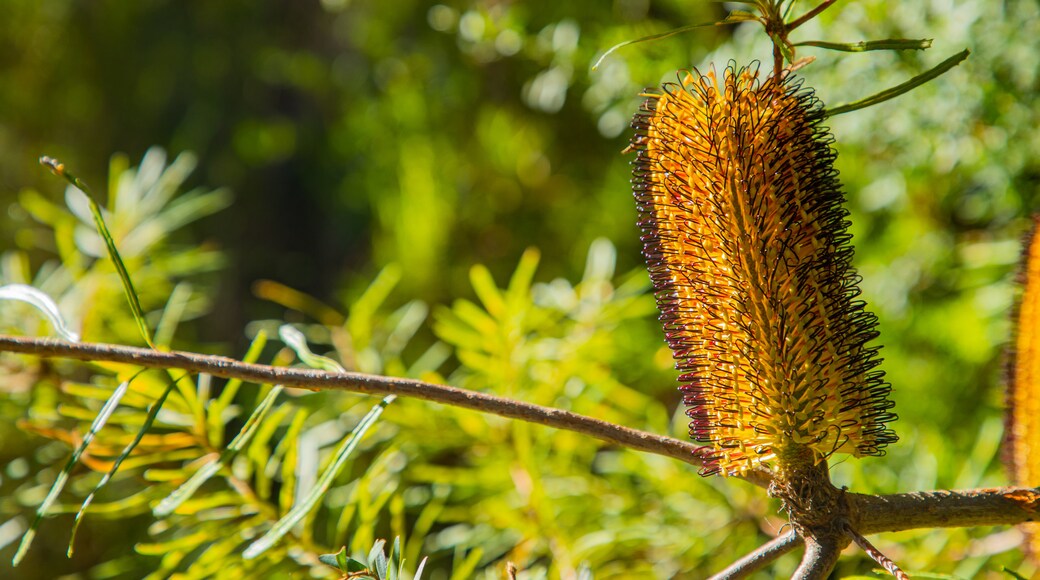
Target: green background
<point>360,135</point>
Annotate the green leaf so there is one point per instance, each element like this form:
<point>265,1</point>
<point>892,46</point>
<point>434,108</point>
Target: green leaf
<point>1012,573</point>
<point>172,314</point>
<point>396,570</point>
<point>296,341</point>
<point>99,221</point>
<point>785,48</point>
<point>377,559</point>
<point>477,319</point>
<point>465,569</point>
<point>601,261</point>
<point>486,289</point>
<point>185,491</point>
<point>355,566</point>
<point>337,560</point>
<point>215,412</point>
<point>861,46</point>
<point>153,412</point>
<point>342,559</point>
<point>286,523</point>
<point>900,89</point>
<point>359,324</point>
<point>290,457</point>
<point>406,321</point>
<point>63,477</point>
<point>37,299</point>
<point>520,284</point>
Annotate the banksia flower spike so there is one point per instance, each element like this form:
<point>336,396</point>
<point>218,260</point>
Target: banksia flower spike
<point>1024,388</point>
<point>745,238</point>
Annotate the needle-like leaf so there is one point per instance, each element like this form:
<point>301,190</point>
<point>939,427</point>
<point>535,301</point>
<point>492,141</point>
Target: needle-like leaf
<point>185,491</point>
<point>58,168</point>
<point>734,17</point>
<point>63,477</point>
<point>900,89</point>
<point>864,46</point>
<point>286,523</point>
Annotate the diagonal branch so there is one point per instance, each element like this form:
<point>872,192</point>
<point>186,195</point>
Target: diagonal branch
<point>760,558</point>
<point>369,384</point>
<point>809,15</point>
<point>875,554</point>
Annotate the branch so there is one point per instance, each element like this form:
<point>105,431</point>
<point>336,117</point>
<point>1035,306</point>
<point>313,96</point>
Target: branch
<point>995,506</point>
<point>369,384</point>
<point>760,558</point>
<point>875,554</point>
<point>821,554</point>
<point>810,15</point>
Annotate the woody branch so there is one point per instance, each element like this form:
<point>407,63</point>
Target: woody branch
<point>870,514</point>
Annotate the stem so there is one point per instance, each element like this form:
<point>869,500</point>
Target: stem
<point>821,554</point>
<point>875,554</point>
<point>996,506</point>
<point>760,558</point>
<point>810,15</point>
<point>370,384</point>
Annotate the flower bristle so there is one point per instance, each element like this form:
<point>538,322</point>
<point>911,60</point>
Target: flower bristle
<point>1023,408</point>
<point>745,239</point>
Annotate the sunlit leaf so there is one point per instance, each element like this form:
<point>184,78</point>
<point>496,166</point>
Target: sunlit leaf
<point>296,341</point>
<point>41,302</point>
<point>63,477</point>
<point>520,284</point>
<point>467,566</point>
<point>181,494</point>
<point>153,411</point>
<point>312,499</point>
<point>486,289</point>
<point>215,411</point>
<point>172,314</point>
<point>377,559</point>
<point>113,253</point>
<point>359,324</point>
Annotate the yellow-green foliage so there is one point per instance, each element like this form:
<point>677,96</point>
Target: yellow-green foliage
<point>378,151</point>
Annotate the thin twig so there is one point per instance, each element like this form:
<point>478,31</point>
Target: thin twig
<point>809,15</point>
<point>821,554</point>
<point>760,558</point>
<point>370,384</point>
<point>876,555</point>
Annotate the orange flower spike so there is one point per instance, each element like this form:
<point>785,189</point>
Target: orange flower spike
<point>1024,393</point>
<point>745,239</point>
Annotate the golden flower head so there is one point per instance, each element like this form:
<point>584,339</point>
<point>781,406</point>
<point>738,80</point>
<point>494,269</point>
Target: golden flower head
<point>745,239</point>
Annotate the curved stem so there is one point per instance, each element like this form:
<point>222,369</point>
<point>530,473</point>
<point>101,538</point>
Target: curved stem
<point>370,384</point>
<point>821,554</point>
<point>760,558</point>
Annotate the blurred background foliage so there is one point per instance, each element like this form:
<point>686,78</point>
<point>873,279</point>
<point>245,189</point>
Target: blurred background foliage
<point>436,190</point>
